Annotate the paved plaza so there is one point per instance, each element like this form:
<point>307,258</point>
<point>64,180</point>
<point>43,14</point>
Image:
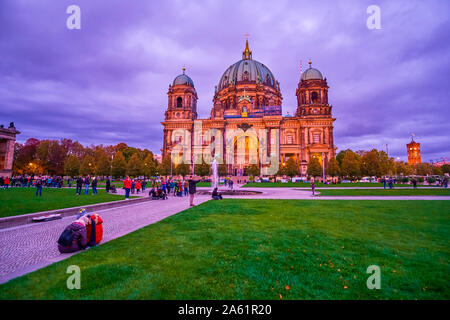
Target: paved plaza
<point>26,248</point>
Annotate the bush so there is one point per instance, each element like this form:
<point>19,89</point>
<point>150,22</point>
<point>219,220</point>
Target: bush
<point>431,179</point>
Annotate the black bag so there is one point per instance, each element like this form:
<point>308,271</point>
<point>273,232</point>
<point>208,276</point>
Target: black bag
<point>66,238</point>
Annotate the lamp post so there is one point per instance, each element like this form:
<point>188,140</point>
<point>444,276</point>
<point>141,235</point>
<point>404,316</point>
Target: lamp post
<point>323,167</point>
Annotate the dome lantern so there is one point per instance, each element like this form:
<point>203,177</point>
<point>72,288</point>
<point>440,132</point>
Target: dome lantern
<point>247,53</point>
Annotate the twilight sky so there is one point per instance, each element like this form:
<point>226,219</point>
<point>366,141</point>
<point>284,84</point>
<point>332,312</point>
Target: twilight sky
<point>107,83</point>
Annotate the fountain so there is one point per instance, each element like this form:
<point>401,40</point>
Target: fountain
<point>215,172</point>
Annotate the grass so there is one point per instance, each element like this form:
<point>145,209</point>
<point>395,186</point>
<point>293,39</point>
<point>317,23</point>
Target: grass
<point>17,201</point>
<point>207,184</point>
<point>250,249</point>
<point>321,185</point>
<point>382,192</point>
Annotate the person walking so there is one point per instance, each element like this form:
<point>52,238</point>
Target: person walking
<point>87,182</point>
<point>391,183</point>
<point>138,186</point>
<point>186,188</point>
<point>133,186</point>
<point>39,186</point>
<point>127,187</point>
<point>108,185</point>
<point>6,183</point>
<point>192,190</point>
<point>94,185</point>
<point>313,186</point>
<point>230,183</point>
<point>79,186</point>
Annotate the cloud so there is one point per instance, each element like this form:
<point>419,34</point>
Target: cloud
<point>107,82</point>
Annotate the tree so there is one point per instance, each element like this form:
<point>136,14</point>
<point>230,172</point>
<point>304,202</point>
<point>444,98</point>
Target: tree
<point>202,169</point>
<point>370,163</point>
<point>103,165</point>
<point>332,168</point>
<point>72,166</point>
<point>423,169</point>
<point>351,164</point>
<point>165,166</point>
<point>253,170</point>
<point>314,167</point>
<point>183,169</point>
<point>445,168</point>
<point>222,168</point>
<point>134,166</point>
<point>119,165</point>
<point>437,171</point>
<point>149,166</point>
<point>87,166</point>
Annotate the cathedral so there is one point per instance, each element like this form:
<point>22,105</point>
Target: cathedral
<point>246,125</point>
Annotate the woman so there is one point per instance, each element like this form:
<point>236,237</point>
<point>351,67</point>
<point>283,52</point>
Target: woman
<point>216,195</point>
<point>74,237</point>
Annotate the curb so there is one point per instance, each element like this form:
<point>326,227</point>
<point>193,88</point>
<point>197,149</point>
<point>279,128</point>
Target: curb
<point>13,221</point>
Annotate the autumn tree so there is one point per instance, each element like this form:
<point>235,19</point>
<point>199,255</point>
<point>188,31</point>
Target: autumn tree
<point>370,163</point>
<point>222,168</point>
<point>149,165</point>
<point>314,167</point>
<point>102,165</point>
<point>351,164</point>
<point>253,170</point>
<point>87,166</point>
<point>119,165</point>
<point>165,166</point>
<point>423,169</point>
<point>202,169</point>
<point>332,168</point>
<point>445,168</point>
<point>183,169</point>
<point>134,166</point>
<point>72,166</point>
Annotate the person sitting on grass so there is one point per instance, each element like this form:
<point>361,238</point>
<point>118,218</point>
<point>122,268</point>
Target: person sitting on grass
<point>216,195</point>
<point>74,236</point>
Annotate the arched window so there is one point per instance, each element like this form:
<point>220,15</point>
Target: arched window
<point>179,102</point>
<point>314,97</point>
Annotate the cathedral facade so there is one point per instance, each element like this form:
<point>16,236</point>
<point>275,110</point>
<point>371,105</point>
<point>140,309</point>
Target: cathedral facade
<point>246,125</point>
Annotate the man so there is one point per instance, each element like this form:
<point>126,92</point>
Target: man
<point>108,185</point>
<point>87,182</point>
<point>127,187</point>
<point>79,185</point>
<point>313,186</point>
<point>192,190</point>
<point>94,185</point>
<point>39,186</point>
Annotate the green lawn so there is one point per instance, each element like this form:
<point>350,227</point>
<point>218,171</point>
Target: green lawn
<point>320,185</point>
<point>387,192</point>
<point>250,249</point>
<point>207,184</point>
<point>16,201</point>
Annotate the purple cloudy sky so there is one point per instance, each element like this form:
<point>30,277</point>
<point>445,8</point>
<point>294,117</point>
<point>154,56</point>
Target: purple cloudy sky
<point>107,82</point>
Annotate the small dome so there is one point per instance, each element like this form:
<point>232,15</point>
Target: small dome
<point>183,80</point>
<point>312,74</point>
